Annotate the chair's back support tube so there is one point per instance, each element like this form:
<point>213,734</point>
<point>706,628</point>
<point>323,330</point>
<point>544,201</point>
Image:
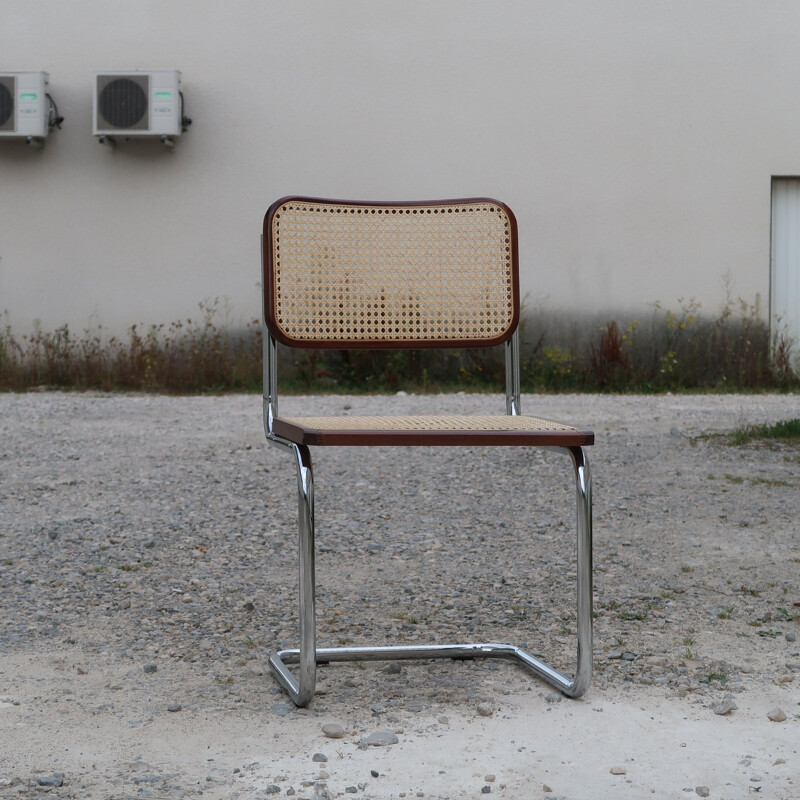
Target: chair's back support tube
<point>269,362</point>
<point>512,376</point>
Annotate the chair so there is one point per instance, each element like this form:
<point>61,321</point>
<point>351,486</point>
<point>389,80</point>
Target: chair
<point>342,275</point>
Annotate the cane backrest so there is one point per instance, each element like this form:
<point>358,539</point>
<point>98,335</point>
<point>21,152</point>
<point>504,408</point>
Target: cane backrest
<point>346,275</point>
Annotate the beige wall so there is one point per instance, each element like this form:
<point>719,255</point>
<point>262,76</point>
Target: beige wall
<point>635,142</point>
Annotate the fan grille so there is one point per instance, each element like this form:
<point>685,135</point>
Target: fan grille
<point>122,102</point>
<point>7,103</point>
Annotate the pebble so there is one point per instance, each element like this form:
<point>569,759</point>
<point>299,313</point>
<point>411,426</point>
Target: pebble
<point>333,730</point>
<point>485,709</point>
<point>725,707</point>
<point>486,789</point>
<point>703,791</point>
<point>490,778</point>
<point>149,669</point>
<point>618,771</point>
<point>54,780</point>
<point>379,739</point>
<point>273,788</point>
<point>319,758</point>
<point>392,669</point>
<point>777,715</point>
<point>790,636</point>
<point>175,707</point>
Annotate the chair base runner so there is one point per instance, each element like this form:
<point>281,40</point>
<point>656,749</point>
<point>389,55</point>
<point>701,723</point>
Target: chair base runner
<point>309,655</point>
<point>278,661</point>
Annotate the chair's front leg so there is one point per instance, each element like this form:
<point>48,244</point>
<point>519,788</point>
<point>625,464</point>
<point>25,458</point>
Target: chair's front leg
<point>583,491</point>
<point>308,622</point>
<point>302,688</point>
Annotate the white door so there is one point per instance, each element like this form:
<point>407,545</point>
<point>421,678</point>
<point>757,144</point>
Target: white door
<point>785,261</point>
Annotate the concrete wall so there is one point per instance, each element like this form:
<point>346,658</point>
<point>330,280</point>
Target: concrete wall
<point>635,142</point>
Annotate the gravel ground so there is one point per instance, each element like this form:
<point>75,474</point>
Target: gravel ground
<point>148,568</point>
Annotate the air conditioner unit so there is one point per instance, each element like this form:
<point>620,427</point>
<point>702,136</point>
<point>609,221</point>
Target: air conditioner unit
<point>137,103</point>
<point>24,105</point>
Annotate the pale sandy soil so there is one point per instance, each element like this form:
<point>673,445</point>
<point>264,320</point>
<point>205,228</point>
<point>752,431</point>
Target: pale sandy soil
<point>150,531</point>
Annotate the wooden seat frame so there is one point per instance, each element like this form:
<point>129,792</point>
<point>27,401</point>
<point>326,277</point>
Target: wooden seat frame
<point>304,240</point>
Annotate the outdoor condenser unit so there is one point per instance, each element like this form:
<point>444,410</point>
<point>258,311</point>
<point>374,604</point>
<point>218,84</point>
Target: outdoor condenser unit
<point>137,103</point>
<point>24,106</point>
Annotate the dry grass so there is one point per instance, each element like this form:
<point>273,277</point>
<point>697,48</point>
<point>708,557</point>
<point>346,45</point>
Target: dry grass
<point>672,351</point>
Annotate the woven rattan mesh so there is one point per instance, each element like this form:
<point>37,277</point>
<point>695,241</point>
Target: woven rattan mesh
<point>422,423</point>
<point>375,273</point>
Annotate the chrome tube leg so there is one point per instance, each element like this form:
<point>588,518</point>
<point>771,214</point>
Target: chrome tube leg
<point>301,688</point>
<point>583,490</point>
<point>307,670</point>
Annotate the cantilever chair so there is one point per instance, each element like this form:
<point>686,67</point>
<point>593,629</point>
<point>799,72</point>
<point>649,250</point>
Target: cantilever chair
<point>442,274</point>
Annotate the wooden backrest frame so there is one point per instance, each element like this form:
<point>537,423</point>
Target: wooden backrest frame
<point>361,275</point>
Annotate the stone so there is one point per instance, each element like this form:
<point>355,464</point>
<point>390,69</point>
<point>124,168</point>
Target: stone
<point>486,789</point>
<point>56,779</point>
<point>175,707</point>
<point>702,791</point>
<point>777,715</point>
<point>320,758</point>
<point>379,739</point>
<point>656,661</point>
<point>618,771</point>
<point>485,709</point>
<point>149,669</point>
<point>273,789</point>
<point>490,778</point>
<point>333,730</point>
<point>725,707</point>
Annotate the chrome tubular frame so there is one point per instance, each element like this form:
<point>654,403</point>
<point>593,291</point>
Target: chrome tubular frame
<point>307,656</point>
<point>512,375</point>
